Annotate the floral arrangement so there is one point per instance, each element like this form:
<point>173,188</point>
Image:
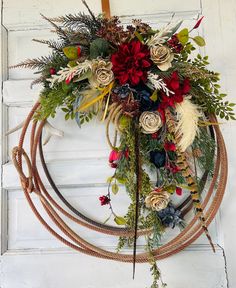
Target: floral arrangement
<point>146,83</point>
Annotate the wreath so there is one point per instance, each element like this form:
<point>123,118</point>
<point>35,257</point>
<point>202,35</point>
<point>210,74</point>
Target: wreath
<point>161,103</point>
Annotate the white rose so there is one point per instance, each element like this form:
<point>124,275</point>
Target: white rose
<point>102,73</point>
<point>150,122</point>
<point>162,56</point>
<point>157,200</point>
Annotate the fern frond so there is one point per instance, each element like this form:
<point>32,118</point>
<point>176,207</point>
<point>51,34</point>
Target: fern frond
<point>60,32</point>
<point>38,81</point>
<point>55,45</point>
<point>84,23</point>
<point>36,63</point>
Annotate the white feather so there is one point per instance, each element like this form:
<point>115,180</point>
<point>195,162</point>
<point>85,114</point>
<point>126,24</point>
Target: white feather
<point>187,128</point>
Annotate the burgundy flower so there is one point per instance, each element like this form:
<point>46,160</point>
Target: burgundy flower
<point>168,146</point>
<point>179,88</point>
<point>131,62</point>
<point>104,200</point>
<point>154,135</point>
<point>175,44</point>
<point>172,168</point>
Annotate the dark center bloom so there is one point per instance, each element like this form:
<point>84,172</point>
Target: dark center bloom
<point>146,103</point>
<point>131,62</point>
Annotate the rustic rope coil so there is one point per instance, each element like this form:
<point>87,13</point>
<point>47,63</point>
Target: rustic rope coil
<point>33,183</point>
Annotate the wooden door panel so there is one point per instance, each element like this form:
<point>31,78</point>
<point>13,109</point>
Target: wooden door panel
<point>78,162</point>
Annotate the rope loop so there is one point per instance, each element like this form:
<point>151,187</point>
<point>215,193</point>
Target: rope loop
<point>26,182</point>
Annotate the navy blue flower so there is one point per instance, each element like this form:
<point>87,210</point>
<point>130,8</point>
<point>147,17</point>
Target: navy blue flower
<point>123,91</point>
<point>170,217</point>
<point>146,103</point>
<point>158,158</point>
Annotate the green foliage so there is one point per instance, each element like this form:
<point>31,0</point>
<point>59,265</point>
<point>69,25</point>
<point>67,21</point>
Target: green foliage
<point>148,144</point>
<point>114,188</point>
<point>99,47</point>
<point>50,100</point>
<point>183,36</point>
<point>207,146</point>
<point>86,24</point>
<point>205,91</point>
<point>86,116</point>
<point>120,220</point>
<point>71,52</point>
<point>199,41</point>
<point>184,55</point>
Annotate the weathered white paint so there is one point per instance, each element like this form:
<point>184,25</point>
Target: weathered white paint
<point>196,268</point>
<point>33,258</point>
<point>221,27</point>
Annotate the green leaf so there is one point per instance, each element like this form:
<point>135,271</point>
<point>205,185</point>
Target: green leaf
<point>183,36</point>
<point>66,87</point>
<point>67,116</point>
<point>154,96</point>
<point>124,122</point>
<point>120,220</point>
<point>71,52</point>
<point>139,36</point>
<point>170,189</point>
<point>114,188</point>
<point>98,47</point>
<point>199,41</point>
<point>121,180</point>
<point>72,63</point>
<point>109,179</point>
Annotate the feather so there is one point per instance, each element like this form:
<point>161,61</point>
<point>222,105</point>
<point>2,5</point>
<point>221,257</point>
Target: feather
<point>187,128</point>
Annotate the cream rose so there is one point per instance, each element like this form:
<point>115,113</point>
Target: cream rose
<point>150,122</point>
<point>102,73</point>
<point>157,200</point>
<point>162,57</point>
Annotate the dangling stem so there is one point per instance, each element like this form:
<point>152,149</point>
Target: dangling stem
<point>138,184</point>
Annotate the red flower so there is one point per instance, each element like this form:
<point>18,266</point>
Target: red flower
<point>104,200</point>
<point>114,157</point>
<point>179,191</point>
<point>174,169</point>
<point>131,62</point>
<point>168,146</point>
<point>179,89</point>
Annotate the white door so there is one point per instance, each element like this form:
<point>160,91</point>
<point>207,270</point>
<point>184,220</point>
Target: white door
<point>31,257</point>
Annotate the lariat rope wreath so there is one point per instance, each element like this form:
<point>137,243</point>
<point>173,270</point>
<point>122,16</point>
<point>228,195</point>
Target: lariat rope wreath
<point>160,105</point>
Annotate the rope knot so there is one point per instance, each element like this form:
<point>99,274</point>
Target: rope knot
<point>26,182</point>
